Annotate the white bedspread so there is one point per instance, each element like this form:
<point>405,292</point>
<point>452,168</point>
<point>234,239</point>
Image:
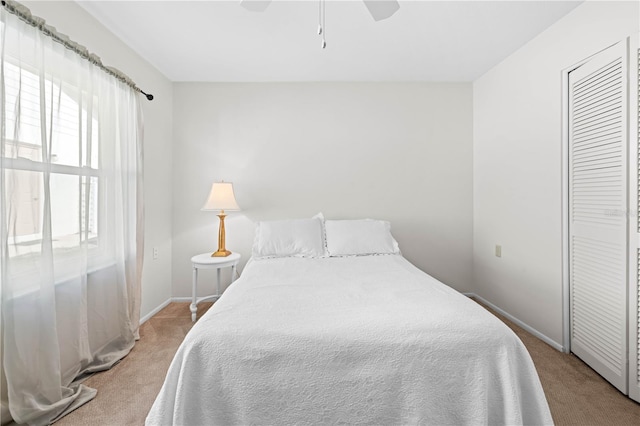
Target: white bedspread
<point>364,340</point>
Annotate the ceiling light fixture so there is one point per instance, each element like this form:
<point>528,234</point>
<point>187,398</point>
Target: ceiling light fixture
<point>379,10</point>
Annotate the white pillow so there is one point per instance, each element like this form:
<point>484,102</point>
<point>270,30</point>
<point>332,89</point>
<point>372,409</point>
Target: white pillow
<point>359,237</point>
<point>289,238</point>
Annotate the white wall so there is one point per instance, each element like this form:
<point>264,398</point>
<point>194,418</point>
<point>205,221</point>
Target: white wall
<point>517,164</point>
<point>71,19</point>
<point>401,152</point>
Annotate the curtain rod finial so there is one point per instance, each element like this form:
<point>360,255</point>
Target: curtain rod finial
<point>148,95</point>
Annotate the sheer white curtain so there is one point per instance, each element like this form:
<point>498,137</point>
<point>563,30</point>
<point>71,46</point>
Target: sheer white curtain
<point>71,227</point>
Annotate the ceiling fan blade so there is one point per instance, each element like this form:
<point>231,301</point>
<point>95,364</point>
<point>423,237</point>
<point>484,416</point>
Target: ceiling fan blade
<point>381,9</point>
<point>255,5</point>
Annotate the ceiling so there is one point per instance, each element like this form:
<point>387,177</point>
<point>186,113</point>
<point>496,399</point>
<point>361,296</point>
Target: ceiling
<point>423,41</point>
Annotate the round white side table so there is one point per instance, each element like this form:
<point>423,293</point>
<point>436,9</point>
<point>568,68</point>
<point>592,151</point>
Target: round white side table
<point>205,261</point>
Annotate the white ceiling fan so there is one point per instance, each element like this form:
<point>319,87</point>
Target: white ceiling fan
<point>379,10</point>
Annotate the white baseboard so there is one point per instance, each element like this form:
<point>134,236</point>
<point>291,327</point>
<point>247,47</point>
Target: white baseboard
<point>155,311</point>
<point>555,345</point>
<point>163,305</point>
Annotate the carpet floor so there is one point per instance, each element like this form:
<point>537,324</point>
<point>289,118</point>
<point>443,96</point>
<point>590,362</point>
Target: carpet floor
<point>576,394</point>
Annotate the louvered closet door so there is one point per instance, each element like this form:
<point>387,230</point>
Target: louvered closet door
<point>597,213</point>
<point>634,227</point>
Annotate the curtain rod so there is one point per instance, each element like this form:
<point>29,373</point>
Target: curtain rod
<point>24,13</point>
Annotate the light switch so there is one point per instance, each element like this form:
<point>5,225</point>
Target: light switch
<point>498,250</point>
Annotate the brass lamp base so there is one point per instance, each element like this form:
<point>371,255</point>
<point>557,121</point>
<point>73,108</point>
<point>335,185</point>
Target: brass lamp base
<point>222,251</point>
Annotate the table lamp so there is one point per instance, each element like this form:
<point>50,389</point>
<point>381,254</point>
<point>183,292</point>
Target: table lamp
<point>221,198</point>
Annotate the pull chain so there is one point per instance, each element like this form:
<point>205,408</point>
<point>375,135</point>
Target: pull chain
<point>319,17</point>
<point>322,27</point>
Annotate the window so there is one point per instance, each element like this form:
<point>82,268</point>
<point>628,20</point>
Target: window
<point>71,127</point>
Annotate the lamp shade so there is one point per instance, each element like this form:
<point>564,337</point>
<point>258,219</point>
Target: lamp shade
<point>221,197</point>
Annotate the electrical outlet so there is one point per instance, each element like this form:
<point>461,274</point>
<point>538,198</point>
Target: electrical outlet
<point>155,253</point>
<point>498,250</point>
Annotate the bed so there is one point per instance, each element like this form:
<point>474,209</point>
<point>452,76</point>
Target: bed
<point>367,339</point>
